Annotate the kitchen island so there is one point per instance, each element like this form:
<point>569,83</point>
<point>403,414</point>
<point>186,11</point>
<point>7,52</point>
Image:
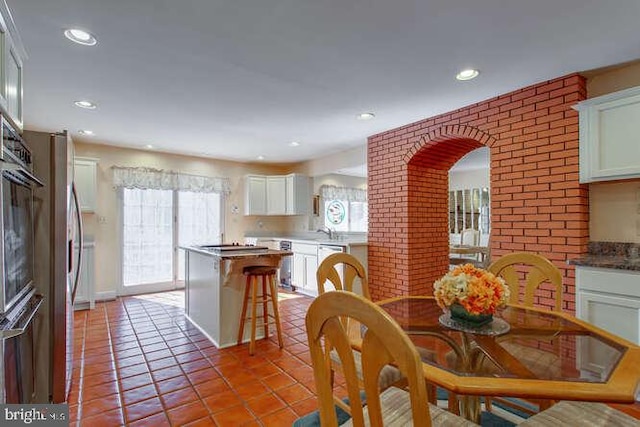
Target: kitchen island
<point>214,286</point>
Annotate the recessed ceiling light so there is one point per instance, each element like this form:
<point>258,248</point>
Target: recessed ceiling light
<point>467,74</point>
<point>365,116</point>
<point>148,146</point>
<point>79,36</point>
<point>294,144</point>
<point>260,157</point>
<point>85,104</point>
<point>86,132</point>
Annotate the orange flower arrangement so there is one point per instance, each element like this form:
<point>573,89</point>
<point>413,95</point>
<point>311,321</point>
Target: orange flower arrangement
<point>477,290</point>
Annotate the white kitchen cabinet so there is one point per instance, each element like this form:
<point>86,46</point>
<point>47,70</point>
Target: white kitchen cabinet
<point>610,299</point>
<point>276,195</point>
<point>255,202</point>
<point>85,293</point>
<point>298,199</point>
<point>86,181</point>
<point>305,265</point>
<point>610,136</point>
<point>12,55</point>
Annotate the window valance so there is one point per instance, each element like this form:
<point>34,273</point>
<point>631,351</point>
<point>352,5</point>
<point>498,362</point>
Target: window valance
<point>157,179</point>
<point>331,192</point>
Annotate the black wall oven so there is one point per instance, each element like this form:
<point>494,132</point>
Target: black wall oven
<point>16,220</point>
<point>18,302</point>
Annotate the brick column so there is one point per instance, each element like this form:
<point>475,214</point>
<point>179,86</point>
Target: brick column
<point>537,204</point>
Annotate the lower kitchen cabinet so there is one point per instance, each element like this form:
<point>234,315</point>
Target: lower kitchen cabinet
<point>610,299</point>
<point>85,294</point>
<point>305,265</point>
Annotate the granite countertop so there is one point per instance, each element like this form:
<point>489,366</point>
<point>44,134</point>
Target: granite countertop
<point>621,256</point>
<point>340,241</point>
<point>238,253</point>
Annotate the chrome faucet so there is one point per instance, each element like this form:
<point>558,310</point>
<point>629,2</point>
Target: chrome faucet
<point>327,231</point>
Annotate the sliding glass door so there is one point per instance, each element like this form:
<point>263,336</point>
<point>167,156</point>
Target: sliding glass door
<point>154,224</point>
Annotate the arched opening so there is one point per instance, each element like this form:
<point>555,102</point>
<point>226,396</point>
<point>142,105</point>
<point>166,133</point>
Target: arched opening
<point>428,208</point>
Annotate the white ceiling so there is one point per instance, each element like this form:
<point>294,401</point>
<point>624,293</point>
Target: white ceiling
<point>238,79</point>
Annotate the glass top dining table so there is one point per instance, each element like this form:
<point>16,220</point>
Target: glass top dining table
<point>525,352</point>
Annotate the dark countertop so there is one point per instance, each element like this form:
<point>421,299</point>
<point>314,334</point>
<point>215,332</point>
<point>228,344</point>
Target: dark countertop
<point>620,256</point>
<point>607,261</point>
<point>238,254</point>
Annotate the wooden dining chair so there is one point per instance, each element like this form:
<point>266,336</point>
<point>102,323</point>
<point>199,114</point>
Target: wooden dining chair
<point>343,271</point>
<point>469,237</point>
<point>524,273</point>
<point>346,273</point>
<point>534,269</point>
<point>383,343</point>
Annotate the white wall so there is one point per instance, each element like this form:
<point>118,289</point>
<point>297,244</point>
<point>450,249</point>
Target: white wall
<point>332,163</point>
<point>475,178</point>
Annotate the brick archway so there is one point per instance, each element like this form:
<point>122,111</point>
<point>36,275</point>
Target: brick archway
<point>537,203</point>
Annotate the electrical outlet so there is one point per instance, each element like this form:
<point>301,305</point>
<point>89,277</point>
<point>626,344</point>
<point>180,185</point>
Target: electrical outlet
<point>102,219</point>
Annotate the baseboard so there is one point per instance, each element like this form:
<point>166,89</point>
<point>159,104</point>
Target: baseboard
<point>106,296</point>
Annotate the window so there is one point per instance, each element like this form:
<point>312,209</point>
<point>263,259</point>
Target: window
<point>469,209</point>
<point>345,209</point>
<point>160,211</point>
<point>154,224</point>
<point>342,215</point>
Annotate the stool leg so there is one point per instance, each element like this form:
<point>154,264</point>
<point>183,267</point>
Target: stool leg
<point>244,310</point>
<point>254,295</point>
<point>274,301</point>
<point>265,307</point>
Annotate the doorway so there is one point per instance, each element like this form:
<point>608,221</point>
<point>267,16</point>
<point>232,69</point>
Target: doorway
<point>155,224</point>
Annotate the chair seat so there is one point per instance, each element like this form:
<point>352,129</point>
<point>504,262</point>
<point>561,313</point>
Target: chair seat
<point>396,411</point>
<point>258,270</point>
<point>581,414</point>
<point>388,376</point>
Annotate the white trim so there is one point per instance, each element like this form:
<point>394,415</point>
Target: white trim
<point>147,288</point>
<point>106,296</point>
<point>119,248</point>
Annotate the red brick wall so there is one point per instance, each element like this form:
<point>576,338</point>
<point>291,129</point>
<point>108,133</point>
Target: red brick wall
<point>537,204</point>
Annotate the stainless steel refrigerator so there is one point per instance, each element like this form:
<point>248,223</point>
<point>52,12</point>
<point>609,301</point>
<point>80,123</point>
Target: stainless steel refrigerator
<point>58,232</point>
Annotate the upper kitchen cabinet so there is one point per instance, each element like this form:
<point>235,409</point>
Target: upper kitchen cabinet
<point>255,192</point>
<point>297,192</point>
<point>12,56</point>
<point>276,195</point>
<point>86,180</point>
<point>610,136</point>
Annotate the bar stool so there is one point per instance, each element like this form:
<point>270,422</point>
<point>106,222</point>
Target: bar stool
<point>269,294</point>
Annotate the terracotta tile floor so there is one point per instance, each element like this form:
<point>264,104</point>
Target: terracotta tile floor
<point>138,362</point>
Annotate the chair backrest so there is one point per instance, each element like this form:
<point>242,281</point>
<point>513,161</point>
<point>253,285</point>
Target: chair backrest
<point>535,269</point>
<point>384,342</point>
<point>329,269</point>
<point>470,236</point>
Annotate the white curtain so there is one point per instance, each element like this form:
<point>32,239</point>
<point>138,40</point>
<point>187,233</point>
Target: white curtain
<point>157,179</point>
<point>331,192</point>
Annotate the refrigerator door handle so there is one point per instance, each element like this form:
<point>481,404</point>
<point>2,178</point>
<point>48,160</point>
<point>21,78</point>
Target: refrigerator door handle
<point>76,278</point>
<point>23,325</point>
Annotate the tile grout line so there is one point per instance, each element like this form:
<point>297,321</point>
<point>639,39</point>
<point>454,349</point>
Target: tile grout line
<point>115,364</point>
<point>81,379</point>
